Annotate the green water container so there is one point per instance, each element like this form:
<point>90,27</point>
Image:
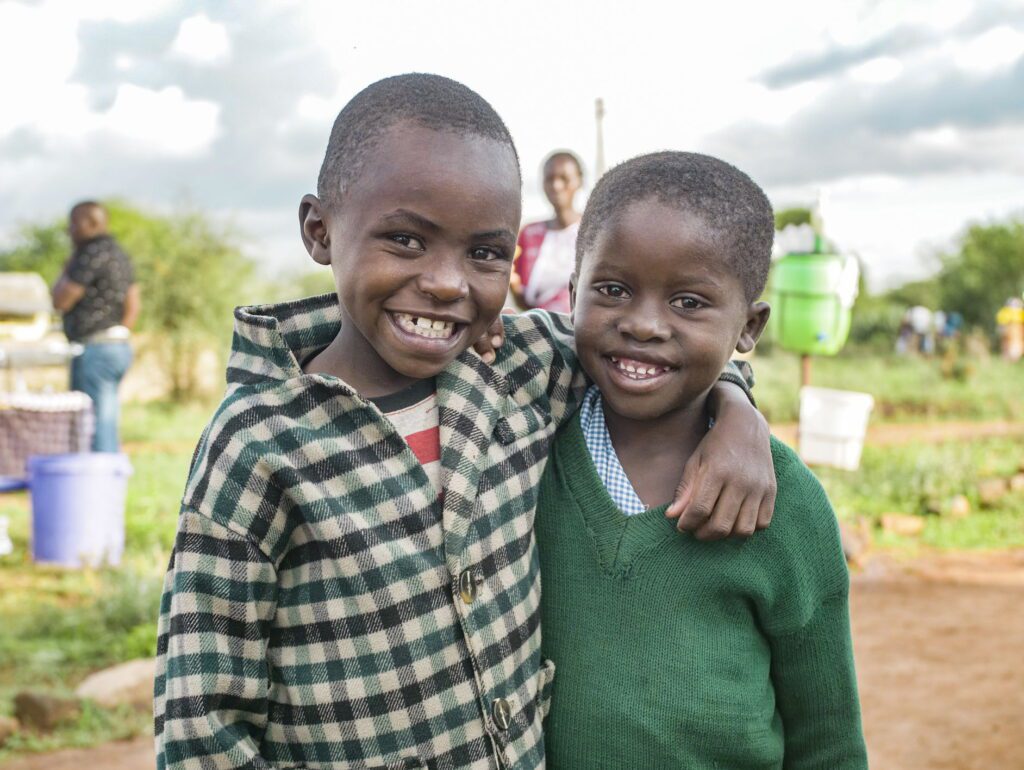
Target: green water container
<point>812,297</point>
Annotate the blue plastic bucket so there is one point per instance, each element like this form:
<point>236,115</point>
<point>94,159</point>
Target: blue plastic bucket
<point>78,508</point>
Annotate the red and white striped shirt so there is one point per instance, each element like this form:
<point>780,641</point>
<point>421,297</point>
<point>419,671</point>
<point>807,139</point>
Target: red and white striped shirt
<point>413,412</point>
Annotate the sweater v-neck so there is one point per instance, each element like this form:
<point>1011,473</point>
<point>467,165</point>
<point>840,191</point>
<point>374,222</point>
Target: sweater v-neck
<point>619,539</point>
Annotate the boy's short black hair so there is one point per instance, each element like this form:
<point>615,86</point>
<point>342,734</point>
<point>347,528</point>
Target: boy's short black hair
<point>432,101</point>
<point>568,155</point>
<point>734,209</point>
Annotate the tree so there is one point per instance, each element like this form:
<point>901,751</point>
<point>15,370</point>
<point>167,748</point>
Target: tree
<point>987,268</point>
<point>190,270</point>
<point>792,216</point>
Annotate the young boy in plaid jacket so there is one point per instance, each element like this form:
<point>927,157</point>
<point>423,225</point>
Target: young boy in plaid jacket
<point>354,582</point>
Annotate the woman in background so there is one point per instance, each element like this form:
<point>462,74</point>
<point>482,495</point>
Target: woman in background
<point>546,255</point>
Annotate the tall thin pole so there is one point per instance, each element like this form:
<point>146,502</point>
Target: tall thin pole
<point>599,116</point>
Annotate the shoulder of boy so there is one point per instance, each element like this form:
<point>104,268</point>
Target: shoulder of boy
<point>538,333</point>
<point>225,464</point>
<point>803,511</point>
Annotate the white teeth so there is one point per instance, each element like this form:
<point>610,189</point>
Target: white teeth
<point>638,372</point>
<point>431,328</point>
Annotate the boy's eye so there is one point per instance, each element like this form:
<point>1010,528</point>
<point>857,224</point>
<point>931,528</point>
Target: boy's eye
<point>687,303</point>
<point>486,254</point>
<point>409,241</point>
<point>614,290</point>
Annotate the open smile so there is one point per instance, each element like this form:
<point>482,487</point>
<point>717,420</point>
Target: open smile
<point>637,376</point>
<point>428,334</point>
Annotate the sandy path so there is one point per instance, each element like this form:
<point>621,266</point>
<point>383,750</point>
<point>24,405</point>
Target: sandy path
<point>136,754</point>
<point>891,434</point>
<point>939,656</point>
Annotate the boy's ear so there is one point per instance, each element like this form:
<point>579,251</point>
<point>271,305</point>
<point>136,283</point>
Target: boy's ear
<point>572,296</point>
<point>757,317</point>
<point>313,229</point>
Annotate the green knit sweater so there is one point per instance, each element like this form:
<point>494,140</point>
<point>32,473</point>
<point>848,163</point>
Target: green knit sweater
<point>674,653</point>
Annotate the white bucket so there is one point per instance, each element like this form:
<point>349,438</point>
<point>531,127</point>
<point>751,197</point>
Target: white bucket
<point>832,426</point>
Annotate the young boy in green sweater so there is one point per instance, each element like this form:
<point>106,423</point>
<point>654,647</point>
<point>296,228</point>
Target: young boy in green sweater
<point>354,582</point>
<point>673,652</point>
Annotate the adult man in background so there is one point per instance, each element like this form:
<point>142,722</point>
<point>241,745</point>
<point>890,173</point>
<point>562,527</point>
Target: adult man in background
<point>99,299</point>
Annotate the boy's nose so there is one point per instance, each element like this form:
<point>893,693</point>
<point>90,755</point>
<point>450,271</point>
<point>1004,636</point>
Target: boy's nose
<point>645,326</point>
<point>444,281</point>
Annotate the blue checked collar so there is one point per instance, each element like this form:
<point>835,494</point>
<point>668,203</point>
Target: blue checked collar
<point>606,462</point>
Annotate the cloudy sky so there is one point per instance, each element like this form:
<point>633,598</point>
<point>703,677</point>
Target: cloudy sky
<point>909,115</point>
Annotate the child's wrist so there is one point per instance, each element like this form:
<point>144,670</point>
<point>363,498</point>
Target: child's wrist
<point>726,396</point>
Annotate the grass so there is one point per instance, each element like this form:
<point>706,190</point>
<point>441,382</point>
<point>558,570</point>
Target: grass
<point>920,478</point>
<point>59,625</point>
<point>905,388</point>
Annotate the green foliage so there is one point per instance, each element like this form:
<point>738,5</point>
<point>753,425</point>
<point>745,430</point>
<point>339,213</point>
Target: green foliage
<point>112,621</point>
<point>925,292</point>
<point>988,268</point>
<point>190,269</point>
<point>192,275</point>
<point>792,216</point>
<point>39,248</point>
<point>875,323</point>
<point>93,726</point>
<point>913,478</point>
<point>905,388</point>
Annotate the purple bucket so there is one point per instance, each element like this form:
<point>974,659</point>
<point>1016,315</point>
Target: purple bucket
<point>78,508</point>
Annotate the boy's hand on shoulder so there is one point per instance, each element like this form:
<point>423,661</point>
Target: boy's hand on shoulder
<point>728,486</point>
<point>491,340</point>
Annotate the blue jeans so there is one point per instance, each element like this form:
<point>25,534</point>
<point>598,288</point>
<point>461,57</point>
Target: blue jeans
<point>97,373</point>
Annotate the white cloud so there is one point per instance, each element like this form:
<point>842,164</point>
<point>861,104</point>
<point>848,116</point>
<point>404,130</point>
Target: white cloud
<point>944,136</point>
<point>993,50</point>
<point>881,69</point>
<point>161,122</point>
<point>201,41</point>
<point>34,71</point>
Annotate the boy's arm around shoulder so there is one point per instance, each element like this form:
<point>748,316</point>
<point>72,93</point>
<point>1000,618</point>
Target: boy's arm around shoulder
<point>807,620</point>
<point>728,485</point>
<point>216,612</point>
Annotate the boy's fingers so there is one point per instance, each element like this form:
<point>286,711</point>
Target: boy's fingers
<point>746,522</point>
<point>484,347</point>
<point>490,341</point>
<point>766,510</point>
<point>723,517</point>
<point>701,505</point>
<point>684,491</point>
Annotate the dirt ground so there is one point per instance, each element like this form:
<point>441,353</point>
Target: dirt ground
<point>939,643</point>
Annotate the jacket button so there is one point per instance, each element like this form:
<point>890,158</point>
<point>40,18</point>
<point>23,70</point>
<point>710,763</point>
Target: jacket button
<point>467,586</point>
<point>501,710</point>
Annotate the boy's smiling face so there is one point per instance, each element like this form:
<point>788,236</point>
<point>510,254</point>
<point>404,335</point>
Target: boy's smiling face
<point>421,246</point>
<point>658,310</point>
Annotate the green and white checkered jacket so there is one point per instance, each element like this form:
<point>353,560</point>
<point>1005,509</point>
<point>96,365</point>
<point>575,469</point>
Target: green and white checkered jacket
<point>322,607</point>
